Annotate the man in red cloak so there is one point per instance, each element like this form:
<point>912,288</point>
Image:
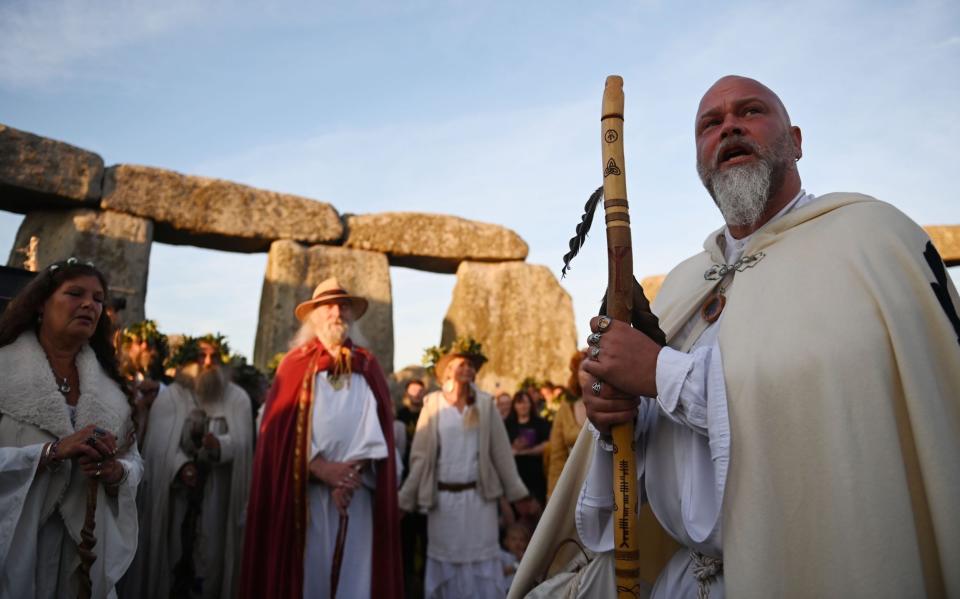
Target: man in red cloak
<point>324,473</point>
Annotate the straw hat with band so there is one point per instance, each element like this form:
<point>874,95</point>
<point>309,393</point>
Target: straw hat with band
<point>327,292</point>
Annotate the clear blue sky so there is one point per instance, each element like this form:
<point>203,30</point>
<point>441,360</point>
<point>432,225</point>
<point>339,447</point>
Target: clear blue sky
<point>486,110</point>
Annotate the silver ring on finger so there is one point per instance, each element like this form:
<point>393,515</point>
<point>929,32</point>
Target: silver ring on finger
<point>97,473</point>
<point>596,386</point>
<point>595,352</point>
<point>594,339</point>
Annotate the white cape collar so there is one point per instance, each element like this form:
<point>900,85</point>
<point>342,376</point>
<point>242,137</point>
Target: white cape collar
<point>29,393</point>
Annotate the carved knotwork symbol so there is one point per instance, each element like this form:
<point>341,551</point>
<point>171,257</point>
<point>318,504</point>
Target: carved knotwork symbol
<point>718,271</point>
<point>610,136</point>
<point>612,168</point>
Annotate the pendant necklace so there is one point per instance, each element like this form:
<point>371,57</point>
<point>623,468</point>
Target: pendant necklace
<point>711,309</point>
<point>63,383</point>
<point>336,381</point>
<point>716,301</point>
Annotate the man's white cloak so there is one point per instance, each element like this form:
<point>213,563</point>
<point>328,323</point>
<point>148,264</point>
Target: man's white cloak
<point>164,460</point>
<point>42,513</point>
<point>842,371</point>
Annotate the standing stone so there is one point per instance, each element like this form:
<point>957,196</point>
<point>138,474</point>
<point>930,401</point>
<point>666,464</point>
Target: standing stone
<point>433,242</point>
<point>651,286</point>
<point>293,271</point>
<point>217,214</point>
<point>38,173</point>
<point>946,238</point>
<point>521,316</point>
<point>118,244</point>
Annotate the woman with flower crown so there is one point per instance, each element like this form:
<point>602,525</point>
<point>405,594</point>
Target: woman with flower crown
<point>461,463</point>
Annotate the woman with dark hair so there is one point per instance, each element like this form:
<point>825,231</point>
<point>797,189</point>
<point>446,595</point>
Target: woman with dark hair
<point>69,466</point>
<point>529,435</point>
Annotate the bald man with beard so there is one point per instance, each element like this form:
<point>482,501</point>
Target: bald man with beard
<point>799,433</point>
<point>198,452</point>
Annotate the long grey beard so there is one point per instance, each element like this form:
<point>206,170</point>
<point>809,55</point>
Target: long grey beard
<point>210,385</point>
<point>741,193</point>
<point>333,334</point>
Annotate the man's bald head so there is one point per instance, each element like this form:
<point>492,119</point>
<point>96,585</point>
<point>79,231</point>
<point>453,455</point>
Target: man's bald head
<point>740,85</point>
<point>746,151</point>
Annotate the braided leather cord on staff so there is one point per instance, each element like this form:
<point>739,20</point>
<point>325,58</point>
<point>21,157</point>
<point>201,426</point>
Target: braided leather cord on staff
<point>620,307</point>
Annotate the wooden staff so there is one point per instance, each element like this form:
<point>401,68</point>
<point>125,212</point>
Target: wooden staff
<point>88,541</point>
<point>338,554</point>
<point>620,307</point>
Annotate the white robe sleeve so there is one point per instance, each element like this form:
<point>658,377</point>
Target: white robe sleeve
<point>118,524</point>
<point>18,466</point>
<point>692,391</point>
<point>595,504</point>
<point>683,388</point>
<point>226,448</point>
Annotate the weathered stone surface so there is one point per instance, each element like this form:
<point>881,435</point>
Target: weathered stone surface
<point>521,316</point>
<point>651,285</point>
<point>217,214</point>
<point>293,271</point>
<point>118,244</point>
<point>39,173</point>
<point>946,238</point>
<point>432,242</point>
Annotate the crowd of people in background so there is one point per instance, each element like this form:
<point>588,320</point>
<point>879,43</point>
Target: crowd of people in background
<point>169,444</point>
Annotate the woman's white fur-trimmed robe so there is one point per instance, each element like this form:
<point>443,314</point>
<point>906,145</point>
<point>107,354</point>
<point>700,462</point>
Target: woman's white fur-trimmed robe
<point>41,513</point>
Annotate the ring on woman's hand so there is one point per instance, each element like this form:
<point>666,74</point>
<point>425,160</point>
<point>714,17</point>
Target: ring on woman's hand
<point>99,432</point>
<point>596,387</point>
<point>594,339</point>
<point>595,352</point>
<point>98,472</point>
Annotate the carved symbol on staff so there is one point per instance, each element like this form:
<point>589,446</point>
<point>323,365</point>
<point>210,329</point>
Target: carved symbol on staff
<point>612,168</point>
<point>610,136</point>
<point>617,256</point>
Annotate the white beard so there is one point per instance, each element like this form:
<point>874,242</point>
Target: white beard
<point>333,334</point>
<point>742,192</point>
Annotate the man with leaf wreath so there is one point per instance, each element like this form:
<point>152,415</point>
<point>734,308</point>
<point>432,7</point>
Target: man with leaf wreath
<point>322,519</point>
<point>198,455</point>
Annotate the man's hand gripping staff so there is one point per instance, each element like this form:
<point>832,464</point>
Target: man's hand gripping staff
<point>610,385</point>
